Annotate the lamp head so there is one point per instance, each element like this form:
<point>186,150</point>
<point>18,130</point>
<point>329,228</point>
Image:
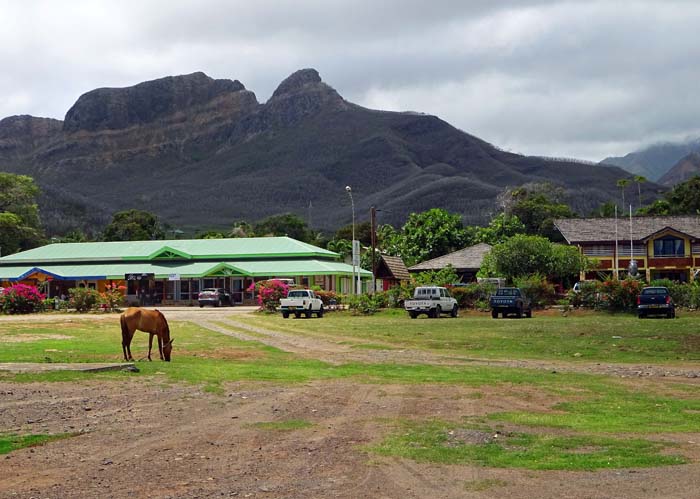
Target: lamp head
<point>348,188</point>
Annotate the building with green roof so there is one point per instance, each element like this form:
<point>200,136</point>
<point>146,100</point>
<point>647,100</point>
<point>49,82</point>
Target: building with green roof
<point>174,271</point>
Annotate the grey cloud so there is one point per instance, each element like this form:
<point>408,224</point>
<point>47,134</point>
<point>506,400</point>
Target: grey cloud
<point>571,78</point>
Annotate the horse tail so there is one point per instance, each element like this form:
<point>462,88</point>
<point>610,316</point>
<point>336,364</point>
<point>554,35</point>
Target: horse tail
<point>125,329</point>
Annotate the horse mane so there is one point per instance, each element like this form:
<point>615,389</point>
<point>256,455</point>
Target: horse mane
<point>165,326</point>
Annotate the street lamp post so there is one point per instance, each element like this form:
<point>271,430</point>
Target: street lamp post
<point>355,288</point>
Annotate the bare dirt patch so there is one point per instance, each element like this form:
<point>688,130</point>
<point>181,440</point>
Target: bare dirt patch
<point>143,438</point>
<point>27,338</point>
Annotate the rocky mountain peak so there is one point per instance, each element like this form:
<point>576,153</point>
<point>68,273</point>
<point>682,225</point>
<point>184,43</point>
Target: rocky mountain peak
<point>117,108</point>
<point>297,81</point>
<point>25,125</point>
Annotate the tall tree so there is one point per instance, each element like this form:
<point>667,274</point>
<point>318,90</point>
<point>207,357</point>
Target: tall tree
<point>622,184</point>
<point>685,197</point>
<point>639,180</point>
<point>20,228</point>
<point>537,206</point>
<point>289,224</point>
<point>133,225</point>
<point>523,255</point>
<point>427,235</point>
<point>363,233</point>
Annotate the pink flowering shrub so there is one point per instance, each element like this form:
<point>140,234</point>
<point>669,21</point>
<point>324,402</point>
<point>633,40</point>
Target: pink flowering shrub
<point>21,299</point>
<point>112,297</point>
<point>269,293</point>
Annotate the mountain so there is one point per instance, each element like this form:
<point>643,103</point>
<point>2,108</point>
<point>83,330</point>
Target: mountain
<point>654,161</point>
<point>686,168</point>
<point>202,152</point>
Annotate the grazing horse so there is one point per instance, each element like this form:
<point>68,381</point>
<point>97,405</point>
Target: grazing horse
<point>148,321</point>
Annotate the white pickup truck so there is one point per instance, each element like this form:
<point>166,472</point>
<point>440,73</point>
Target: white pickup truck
<point>432,301</point>
<point>301,301</point>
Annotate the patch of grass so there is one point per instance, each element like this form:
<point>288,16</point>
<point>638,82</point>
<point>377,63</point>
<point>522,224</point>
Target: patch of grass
<point>581,402</point>
<point>8,443</point>
<point>288,425</point>
<point>432,442</point>
<point>595,337</point>
<point>616,411</point>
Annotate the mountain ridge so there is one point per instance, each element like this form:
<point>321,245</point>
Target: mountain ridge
<point>204,152</point>
<point>654,161</point>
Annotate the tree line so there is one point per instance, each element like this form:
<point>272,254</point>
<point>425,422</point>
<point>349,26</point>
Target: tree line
<point>523,212</point>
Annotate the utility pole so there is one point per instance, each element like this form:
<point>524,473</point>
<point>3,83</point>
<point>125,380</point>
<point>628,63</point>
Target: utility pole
<point>373,230</point>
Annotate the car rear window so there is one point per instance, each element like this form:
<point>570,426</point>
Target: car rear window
<point>507,292</point>
<point>655,291</point>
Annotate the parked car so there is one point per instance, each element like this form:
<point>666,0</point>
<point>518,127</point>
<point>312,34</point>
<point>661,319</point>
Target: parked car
<point>655,300</point>
<point>300,301</point>
<point>431,301</point>
<point>510,301</point>
<point>214,296</point>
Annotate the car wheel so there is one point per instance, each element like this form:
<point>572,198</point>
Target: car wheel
<point>494,314</point>
<point>413,315</point>
<point>285,315</point>
<point>454,311</point>
<point>519,312</point>
<point>319,314</point>
<point>297,315</point>
<point>308,313</point>
<point>438,312</point>
<point>201,305</point>
<point>671,314</point>
<point>641,315</point>
<point>528,314</point>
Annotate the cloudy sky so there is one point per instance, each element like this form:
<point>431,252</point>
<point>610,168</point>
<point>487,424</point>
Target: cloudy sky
<point>583,79</point>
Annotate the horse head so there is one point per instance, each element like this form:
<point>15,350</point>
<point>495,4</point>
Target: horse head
<point>165,335</point>
<point>167,348</point>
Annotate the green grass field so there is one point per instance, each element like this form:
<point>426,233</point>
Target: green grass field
<point>585,337</point>
<point>594,412</point>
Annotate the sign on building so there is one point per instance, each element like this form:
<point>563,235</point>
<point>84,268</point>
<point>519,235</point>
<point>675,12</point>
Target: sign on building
<point>138,276</point>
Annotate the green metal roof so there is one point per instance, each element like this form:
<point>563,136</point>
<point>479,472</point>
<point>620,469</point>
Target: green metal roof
<point>238,248</point>
<point>248,268</point>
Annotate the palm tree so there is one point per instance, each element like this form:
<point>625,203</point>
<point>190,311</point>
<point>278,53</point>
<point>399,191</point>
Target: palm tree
<point>622,184</point>
<point>640,179</point>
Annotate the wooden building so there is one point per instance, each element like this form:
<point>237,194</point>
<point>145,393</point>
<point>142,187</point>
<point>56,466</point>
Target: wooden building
<point>466,262</point>
<point>663,247</point>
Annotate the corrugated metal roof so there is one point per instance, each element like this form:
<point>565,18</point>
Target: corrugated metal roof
<point>467,258</point>
<point>250,268</point>
<point>238,248</point>
<point>396,267</point>
<point>578,230</point>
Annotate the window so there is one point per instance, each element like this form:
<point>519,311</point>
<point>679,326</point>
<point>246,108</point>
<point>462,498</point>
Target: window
<point>669,246</point>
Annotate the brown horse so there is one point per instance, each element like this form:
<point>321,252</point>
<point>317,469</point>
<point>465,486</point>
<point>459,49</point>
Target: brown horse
<point>148,321</point>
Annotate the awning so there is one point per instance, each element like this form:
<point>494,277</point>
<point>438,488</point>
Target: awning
<point>186,270</point>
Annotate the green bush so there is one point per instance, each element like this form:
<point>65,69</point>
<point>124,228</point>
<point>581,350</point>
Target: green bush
<point>589,295</point>
<point>327,296</point>
<point>537,288</point>
<point>363,304</point>
<point>83,299</point>
<point>468,296</point>
<point>399,294</point>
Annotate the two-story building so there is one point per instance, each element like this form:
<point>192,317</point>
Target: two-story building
<point>663,247</point>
